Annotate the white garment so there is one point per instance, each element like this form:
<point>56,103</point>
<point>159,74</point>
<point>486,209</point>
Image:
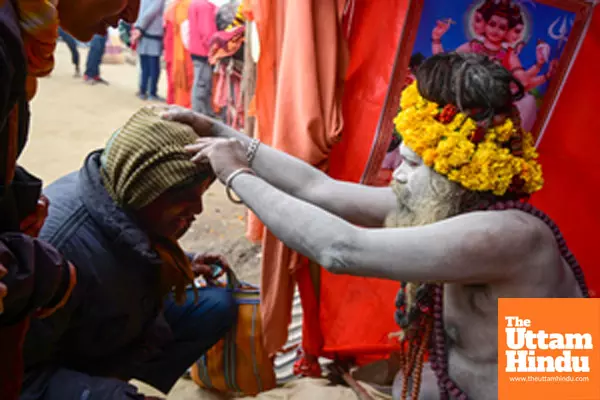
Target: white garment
<point>185,34</point>
<point>254,41</point>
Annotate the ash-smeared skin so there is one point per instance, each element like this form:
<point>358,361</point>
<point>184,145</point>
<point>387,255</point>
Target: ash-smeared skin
<point>480,256</point>
<point>364,205</point>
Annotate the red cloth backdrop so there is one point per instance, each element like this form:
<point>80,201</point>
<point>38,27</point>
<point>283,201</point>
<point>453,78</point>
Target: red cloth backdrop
<point>570,156</point>
<point>357,313</point>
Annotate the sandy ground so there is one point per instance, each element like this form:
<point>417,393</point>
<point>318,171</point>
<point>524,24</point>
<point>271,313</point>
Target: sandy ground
<point>71,118</point>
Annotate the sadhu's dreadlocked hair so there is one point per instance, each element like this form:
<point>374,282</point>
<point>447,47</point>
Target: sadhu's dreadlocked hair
<point>470,82</point>
<point>414,316</point>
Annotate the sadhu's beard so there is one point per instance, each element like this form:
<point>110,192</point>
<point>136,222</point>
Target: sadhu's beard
<point>442,199</point>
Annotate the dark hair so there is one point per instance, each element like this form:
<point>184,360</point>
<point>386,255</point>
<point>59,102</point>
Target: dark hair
<point>415,61</point>
<point>485,6</point>
<point>501,9</point>
<point>472,82</point>
<point>516,19</point>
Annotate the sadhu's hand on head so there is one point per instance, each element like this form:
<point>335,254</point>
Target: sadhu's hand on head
<point>225,155</point>
<point>202,125</point>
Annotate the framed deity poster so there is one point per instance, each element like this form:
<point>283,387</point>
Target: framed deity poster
<point>537,40</point>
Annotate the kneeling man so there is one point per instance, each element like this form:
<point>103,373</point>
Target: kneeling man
<point>118,220</point>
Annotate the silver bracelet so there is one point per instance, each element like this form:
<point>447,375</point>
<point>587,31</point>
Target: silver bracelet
<point>230,179</point>
<point>251,150</point>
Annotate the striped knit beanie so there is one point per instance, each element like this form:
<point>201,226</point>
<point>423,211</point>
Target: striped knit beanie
<point>146,157</point>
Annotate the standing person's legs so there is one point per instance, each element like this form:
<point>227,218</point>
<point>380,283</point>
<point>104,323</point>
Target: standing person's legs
<point>144,75</point>
<point>72,44</point>
<point>154,64</point>
<point>94,59</point>
<point>202,89</point>
<point>170,84</point>
<point>196,328</point>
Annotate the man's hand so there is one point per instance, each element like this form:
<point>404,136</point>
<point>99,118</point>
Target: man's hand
<point>3,288</point>
<point>201,124</point>
<point>33,223</point>
<point>136,35</point>
<point>225,155</point>
<point>202,265</point>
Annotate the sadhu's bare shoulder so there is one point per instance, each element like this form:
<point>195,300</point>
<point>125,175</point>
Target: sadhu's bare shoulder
<point>527,235</point>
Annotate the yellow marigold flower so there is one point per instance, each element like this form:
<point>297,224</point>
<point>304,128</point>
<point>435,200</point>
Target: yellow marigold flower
<point>487,166</point>
<point>429,156</point>
<point>410,96</point>
<point>467,128</point>
<point>504,131</point>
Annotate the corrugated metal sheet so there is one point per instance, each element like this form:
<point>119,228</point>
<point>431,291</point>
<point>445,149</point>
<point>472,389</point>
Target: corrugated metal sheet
<point>284,363</point>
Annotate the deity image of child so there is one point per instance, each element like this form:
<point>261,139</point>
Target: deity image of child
<point>499,33</point>
<point>515,36</point>
<point>492,30</point>
<point>477,22</point>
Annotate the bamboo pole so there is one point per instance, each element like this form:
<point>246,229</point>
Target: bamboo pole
<point>248,83</point>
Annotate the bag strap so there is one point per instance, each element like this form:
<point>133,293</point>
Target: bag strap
<point>232,280</point>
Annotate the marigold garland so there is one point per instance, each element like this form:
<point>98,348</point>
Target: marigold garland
<point>498,159</point>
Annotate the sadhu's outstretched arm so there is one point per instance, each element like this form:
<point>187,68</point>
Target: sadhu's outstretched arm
<point>477,247</point>
<point>359,204</point>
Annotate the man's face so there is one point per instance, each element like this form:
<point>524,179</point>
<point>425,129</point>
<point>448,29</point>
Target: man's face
<point>84,18</point>
<point>424,196</point>
<point>412,174</point>
<point>172,214</point>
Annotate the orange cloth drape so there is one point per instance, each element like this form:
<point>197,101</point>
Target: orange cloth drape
<point>569,156</point>
<point>357,314</point>
<point>180,69</point>
<point>298,98</point>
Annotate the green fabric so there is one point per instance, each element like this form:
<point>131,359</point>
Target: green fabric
<point>146,157</point>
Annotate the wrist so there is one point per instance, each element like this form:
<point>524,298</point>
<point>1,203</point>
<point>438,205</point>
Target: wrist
<point>222,130</point>
<point>218,129</point>
<point>230,179</point>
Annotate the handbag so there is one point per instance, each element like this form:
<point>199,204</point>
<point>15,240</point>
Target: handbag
<point>238,364</point>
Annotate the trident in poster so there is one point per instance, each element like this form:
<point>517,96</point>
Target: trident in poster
<point>559,31</point>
